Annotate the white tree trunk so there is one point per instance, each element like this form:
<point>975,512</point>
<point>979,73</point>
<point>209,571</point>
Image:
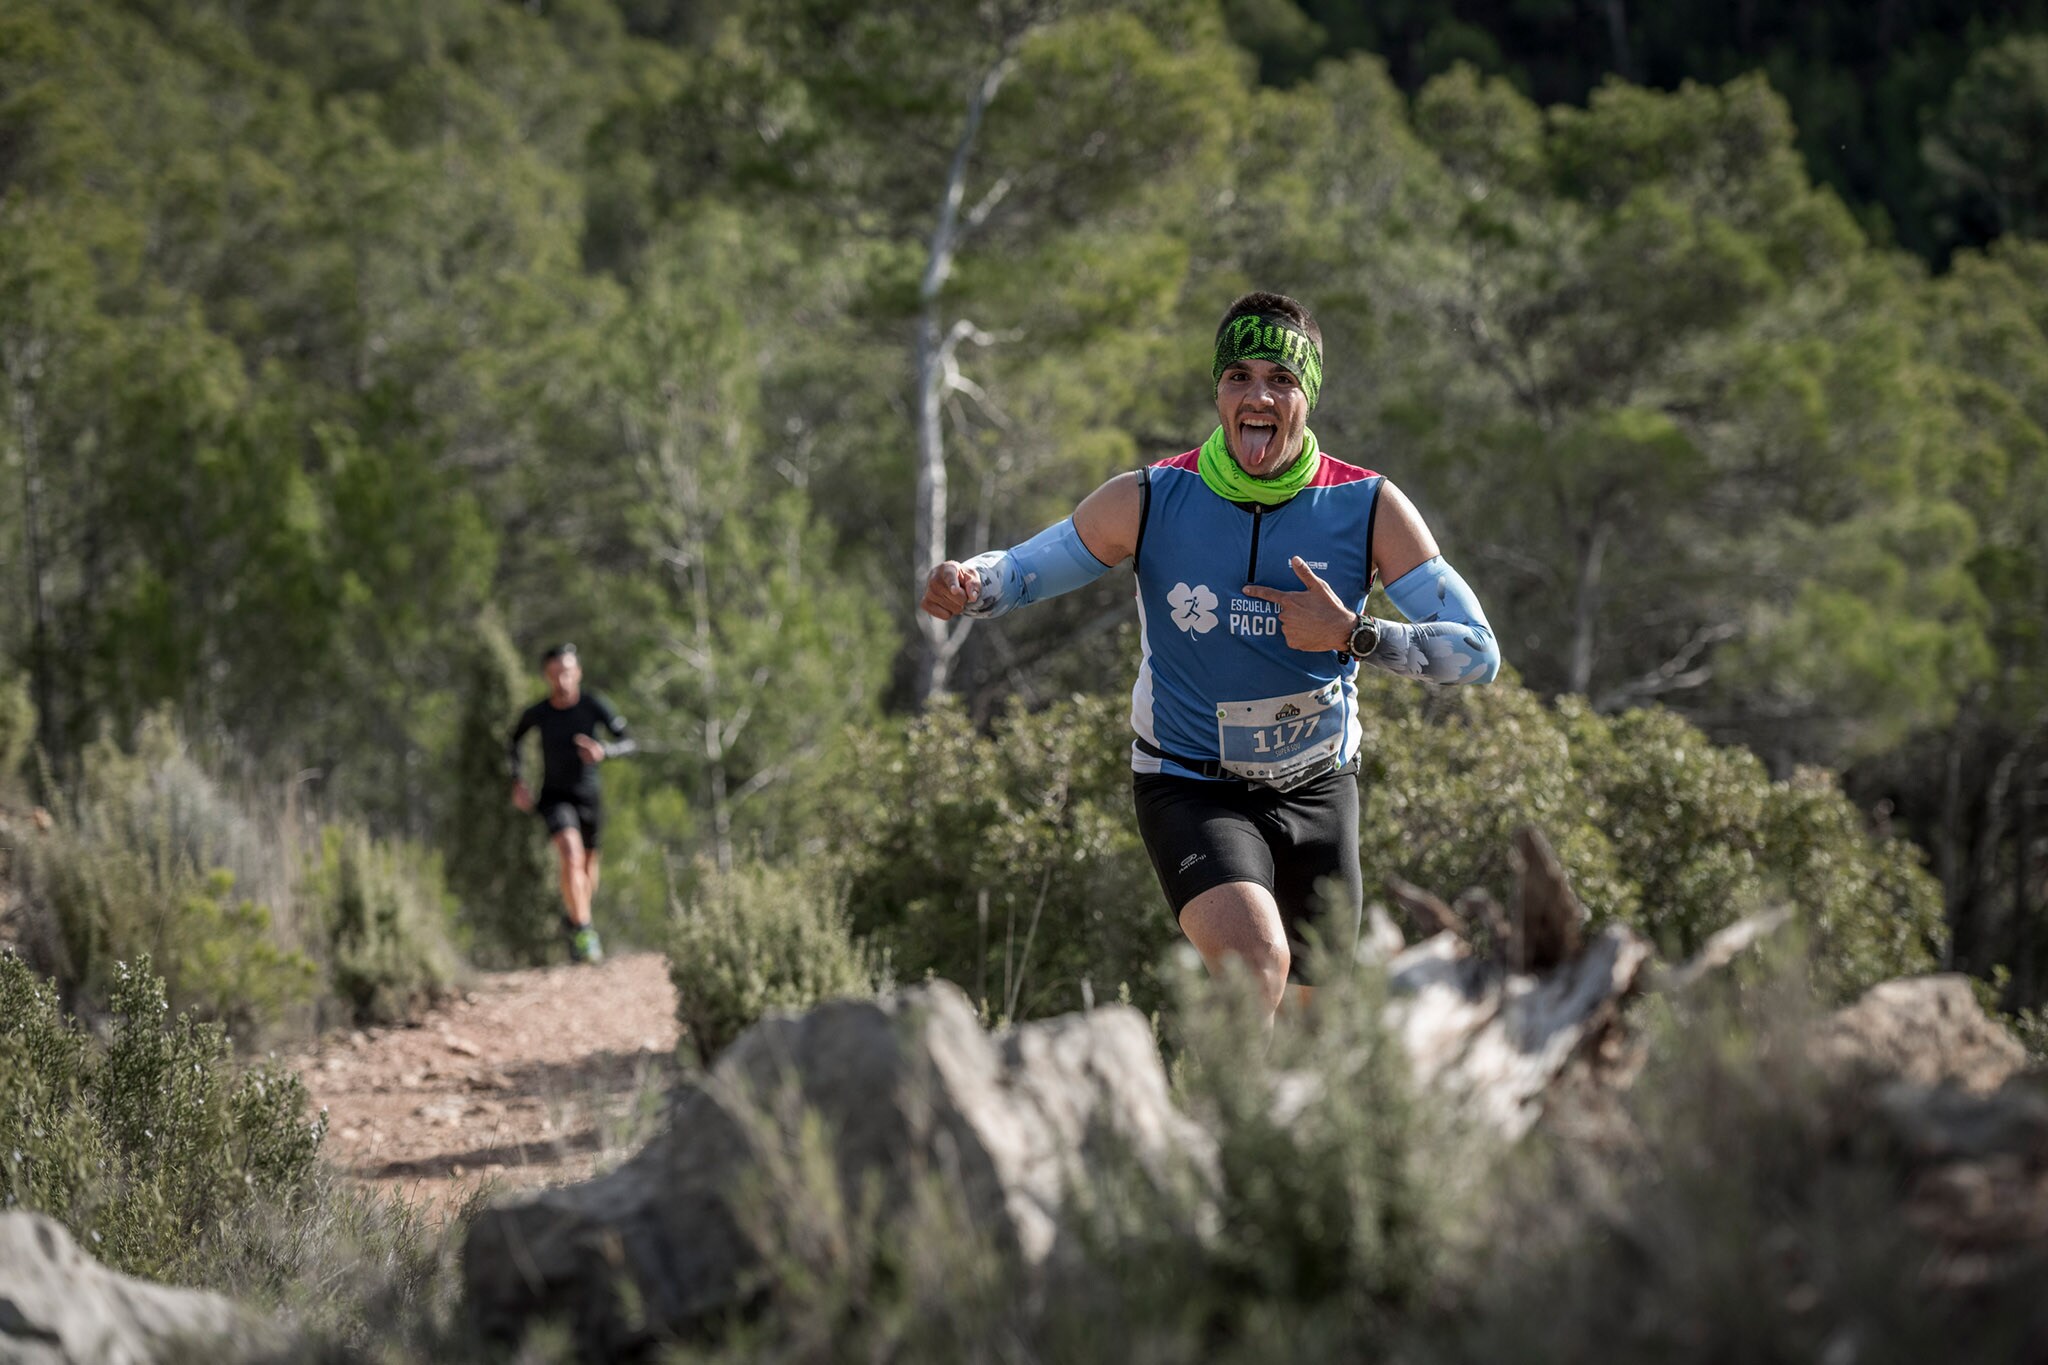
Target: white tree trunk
<point>941,640</point>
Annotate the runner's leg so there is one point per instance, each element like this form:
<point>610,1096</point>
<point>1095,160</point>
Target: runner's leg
<point>575,885</point>
<point>590,822</point>
<point>1241,920</point>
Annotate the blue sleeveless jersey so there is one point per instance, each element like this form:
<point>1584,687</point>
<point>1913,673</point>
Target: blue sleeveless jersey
<point>1204,641</point>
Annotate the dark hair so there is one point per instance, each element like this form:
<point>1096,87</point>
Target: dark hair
<point>554,652</point>
<point>1264,304</point>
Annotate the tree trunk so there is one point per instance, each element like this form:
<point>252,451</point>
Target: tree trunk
<point>1586,606</point>
<point>941,640</point>
<point>1617,36</point>
<point>1948,861</point>
<point>2026,947</point>
<point>42,680</point>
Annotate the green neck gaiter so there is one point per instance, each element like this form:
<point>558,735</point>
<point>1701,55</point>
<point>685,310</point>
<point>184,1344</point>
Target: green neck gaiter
<point>1226,477</point>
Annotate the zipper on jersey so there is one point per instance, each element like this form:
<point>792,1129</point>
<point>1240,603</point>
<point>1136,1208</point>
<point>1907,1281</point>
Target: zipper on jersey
<point>1251,569</point>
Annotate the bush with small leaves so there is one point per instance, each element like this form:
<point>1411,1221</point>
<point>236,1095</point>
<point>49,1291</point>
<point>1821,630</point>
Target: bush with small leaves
<point>387,911</point>
<point>151,1149</point>
<point>760,939</point>
<point>1010,862</point>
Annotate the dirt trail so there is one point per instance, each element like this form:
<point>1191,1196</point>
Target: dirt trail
<point>529,1078</point>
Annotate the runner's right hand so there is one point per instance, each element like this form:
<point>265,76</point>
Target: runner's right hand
<point>521,797</point>
<point>949,588</point>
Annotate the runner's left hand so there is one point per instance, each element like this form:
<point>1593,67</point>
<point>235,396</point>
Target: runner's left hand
<point>1315,619</point>
<point>592,751</point>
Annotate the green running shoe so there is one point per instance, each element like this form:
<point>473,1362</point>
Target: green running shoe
<point>584,946</point>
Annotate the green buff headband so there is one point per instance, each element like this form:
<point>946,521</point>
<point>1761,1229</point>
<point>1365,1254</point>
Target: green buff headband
<point>1226,478</point>
<point>1253,337</point>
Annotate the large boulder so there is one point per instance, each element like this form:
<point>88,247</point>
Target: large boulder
<point>1926,1030</point>
<point>1917,1067</point>
<point>907,1087</point>
<point>58,1306</point>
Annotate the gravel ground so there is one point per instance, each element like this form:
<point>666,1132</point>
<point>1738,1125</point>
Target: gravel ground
<point>529,1078</point>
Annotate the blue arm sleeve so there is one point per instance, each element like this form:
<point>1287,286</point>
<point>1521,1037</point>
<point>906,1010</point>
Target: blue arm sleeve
<point>1050,563</point>
<point>1446,638</point>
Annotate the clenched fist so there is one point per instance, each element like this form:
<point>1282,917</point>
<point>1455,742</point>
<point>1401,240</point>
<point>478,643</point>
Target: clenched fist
<point>949,588</point>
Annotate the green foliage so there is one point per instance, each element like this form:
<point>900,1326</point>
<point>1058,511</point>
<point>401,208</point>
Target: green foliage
<point>152,1150</point>
<point>500,868</point>
<point>1736,1218</point>
<point>1448,776</point>
<point>1008,863</point>
<point>148,858</point>
<point>386,912</point>
<point>1991,141</point>
<point>1340,1187</point>
<point>760,939</point>
<point>17,726</point>
<point>1719,1210</point>
<point>250,917</point>
<point>1708,836</point>
<point>1332,1221</point>
<point>1659,828</point>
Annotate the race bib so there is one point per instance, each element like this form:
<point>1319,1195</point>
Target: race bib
<point>1282,741</point>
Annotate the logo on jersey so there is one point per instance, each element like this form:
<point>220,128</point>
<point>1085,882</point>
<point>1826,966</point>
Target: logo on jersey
<point>1194,609</point>
<point>1287,712</point>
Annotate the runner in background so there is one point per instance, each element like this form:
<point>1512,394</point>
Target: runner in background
<point>570,803</point>
<point>1254,554</point>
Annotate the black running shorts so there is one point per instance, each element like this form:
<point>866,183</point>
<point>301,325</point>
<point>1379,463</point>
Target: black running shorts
<point>1301,845</point>
<point>566,810</point>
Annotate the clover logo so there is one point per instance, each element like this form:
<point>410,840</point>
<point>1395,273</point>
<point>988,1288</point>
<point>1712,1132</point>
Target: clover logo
<point>1194,609</point>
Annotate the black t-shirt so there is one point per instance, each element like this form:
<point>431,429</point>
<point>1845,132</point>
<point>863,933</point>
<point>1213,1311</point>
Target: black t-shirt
<point>563,769</point>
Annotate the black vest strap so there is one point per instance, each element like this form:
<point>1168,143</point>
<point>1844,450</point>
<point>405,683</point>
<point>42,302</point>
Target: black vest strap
<point>1207,767</point>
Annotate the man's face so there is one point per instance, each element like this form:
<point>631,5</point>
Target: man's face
<point>1264,413</point>
<point>564,674</point>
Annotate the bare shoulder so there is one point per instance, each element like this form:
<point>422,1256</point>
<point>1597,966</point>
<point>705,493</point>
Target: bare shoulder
<point>1400,538</point>
<point>1107,519</point>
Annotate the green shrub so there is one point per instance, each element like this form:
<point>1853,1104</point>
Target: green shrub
<point>1340,1188</point>
<point>150,1149</point>
<point>1326,1227</point>
<point>150,856</point>
<point>1707,836</point>
<point>1725,1216</point>
<point>17,726</point>
<point>1448,774</point>
<point>386,912</point>
<point>250,919</point>
<point>1716,1212</point>
<point>1008,863</point>
<point>761,939</point>
<point>499,864</point>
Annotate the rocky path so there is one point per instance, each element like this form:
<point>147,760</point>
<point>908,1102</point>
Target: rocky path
<point>528,1078</point>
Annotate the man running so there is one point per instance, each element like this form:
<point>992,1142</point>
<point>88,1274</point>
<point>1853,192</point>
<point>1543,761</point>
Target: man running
<point>1254,554</point>
<point>570,803</point>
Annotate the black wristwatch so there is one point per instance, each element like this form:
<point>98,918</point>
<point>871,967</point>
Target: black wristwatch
<point>1365,634</point>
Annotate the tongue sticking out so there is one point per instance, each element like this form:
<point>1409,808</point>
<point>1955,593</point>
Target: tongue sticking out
<point>1254,441</point>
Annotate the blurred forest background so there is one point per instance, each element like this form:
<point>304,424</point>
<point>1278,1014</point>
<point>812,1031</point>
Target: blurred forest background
<point>354,350</point>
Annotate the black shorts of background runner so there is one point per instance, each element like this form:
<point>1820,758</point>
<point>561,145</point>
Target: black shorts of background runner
<point>560,810</point>
<point>1301,845</point>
